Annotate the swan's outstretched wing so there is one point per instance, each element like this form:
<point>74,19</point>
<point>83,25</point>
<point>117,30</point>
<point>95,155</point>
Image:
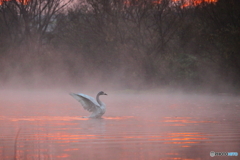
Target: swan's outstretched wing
<point>88,103</point>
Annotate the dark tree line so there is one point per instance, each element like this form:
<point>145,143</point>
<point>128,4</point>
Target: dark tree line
<point>134,42</point>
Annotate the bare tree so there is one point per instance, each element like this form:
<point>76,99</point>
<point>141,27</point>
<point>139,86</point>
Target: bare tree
<point>30,20</point>
<point>137,31</point>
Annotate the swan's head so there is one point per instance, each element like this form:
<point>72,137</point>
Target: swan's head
<point>102,93</point>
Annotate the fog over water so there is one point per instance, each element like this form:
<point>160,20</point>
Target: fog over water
<point>48,124</point>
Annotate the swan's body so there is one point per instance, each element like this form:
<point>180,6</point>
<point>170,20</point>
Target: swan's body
<point>97,107</point>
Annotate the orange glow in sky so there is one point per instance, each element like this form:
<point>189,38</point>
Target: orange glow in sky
<point>187,3</point>
<point>184,3</point>
<point>21,1</point>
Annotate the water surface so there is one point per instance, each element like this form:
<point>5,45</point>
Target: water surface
<point>49,125</point>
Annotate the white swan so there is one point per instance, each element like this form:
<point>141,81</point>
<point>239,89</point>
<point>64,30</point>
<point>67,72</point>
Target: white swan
<point>97,107</point>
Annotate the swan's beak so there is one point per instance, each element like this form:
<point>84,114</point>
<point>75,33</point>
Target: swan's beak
<point>105,94</point>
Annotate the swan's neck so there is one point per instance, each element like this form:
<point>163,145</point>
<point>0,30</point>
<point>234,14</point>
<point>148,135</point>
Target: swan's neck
<point>98,100</point>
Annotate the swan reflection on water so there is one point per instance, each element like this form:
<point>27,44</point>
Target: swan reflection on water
<point>97,107</point>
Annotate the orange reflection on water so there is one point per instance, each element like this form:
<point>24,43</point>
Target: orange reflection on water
<point>56,118</point>
<point>184,159</point>
<point>63,156</point>
<point>181,138</point>
<point>59,137</point>
<point>172,154</point>
<point>183,121</point>
<point>176,124</point>
<point>181,142</point>
<point>42,118</point>
<point>71,149</point>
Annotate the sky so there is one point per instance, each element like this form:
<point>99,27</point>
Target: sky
<point>186,2</point>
